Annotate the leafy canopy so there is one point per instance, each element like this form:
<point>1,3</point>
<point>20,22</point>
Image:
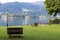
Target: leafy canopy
<point>53,6</point>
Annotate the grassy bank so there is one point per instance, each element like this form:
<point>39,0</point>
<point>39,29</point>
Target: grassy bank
<point>50,32</point>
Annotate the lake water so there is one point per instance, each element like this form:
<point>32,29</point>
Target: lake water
<point>22,20</point>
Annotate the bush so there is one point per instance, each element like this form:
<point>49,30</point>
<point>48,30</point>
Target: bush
<point>55,21</point>
<point>35,24</point>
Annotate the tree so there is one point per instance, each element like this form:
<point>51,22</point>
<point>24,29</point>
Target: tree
<point>53,6</point>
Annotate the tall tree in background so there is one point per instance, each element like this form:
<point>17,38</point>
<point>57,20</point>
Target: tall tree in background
<point>53,6</point>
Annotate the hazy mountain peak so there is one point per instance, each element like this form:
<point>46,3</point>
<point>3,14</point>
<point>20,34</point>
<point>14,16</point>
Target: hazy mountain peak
<point>20,7</point>
<point>39,2</point>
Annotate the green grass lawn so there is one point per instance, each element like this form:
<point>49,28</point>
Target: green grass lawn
<point>50,32</point>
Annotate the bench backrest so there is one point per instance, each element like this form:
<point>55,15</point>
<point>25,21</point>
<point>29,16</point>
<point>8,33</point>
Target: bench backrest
<point>15,30</point>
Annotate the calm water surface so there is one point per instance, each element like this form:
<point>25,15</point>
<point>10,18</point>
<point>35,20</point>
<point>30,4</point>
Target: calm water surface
<point>21,20</point>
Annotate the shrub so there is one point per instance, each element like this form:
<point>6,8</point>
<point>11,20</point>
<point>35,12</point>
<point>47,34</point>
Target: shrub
<point>55,21</point>
<point>35,24</point>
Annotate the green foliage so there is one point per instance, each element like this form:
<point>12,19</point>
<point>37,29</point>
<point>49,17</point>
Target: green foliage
<point>53,6</point>
<point>55,21</point>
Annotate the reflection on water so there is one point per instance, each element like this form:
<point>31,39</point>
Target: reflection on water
<point>21,20</point>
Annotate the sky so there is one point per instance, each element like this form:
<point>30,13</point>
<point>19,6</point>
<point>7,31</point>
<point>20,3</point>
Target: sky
<point>30,1</point>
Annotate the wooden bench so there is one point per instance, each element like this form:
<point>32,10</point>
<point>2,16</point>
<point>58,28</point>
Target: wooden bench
<point>14,31</point>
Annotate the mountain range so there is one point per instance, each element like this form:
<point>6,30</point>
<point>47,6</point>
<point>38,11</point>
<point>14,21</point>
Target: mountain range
<point>35,8</point>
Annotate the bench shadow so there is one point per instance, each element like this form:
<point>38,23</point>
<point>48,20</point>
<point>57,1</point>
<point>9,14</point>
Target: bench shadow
<point>16,37</point>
